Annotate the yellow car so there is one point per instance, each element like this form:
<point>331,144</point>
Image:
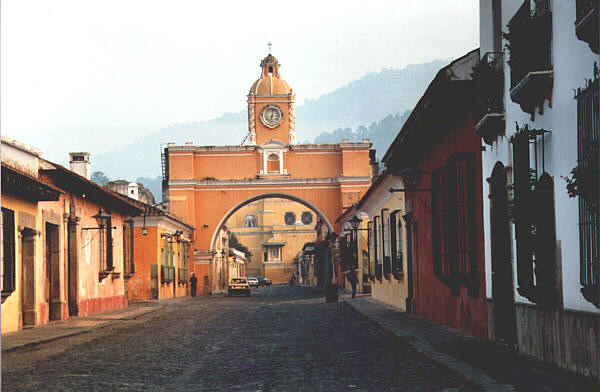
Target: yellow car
<point>238,286</point>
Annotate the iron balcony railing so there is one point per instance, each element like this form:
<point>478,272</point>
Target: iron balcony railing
<point>529,41</point>
<point>183,275</point>
<point>588,143</point>
<point>489,76</point>
<point>583,8</point>
<point>167,273</point>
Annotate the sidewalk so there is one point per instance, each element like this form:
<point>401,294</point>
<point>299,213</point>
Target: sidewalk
<point>489,365</point>
<point>74,326</point>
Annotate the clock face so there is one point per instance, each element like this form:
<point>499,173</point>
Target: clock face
<point>271,116</point>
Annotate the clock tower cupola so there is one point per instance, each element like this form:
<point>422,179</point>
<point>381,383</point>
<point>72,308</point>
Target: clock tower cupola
<point>271,111</point>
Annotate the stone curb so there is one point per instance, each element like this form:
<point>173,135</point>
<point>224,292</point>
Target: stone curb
<point>475,377</point>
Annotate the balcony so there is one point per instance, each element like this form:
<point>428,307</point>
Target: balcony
<point>489,77</point>
<point>167,273</point>
<point>586,23</point>
<point>183,275</point>
<point>529,42</point>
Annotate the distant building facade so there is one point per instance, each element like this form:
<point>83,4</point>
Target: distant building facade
<point>274,231</point>
<point>134,190</point>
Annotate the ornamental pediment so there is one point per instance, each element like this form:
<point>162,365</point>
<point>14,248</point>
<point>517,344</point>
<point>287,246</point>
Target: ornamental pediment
<point>272,144</point>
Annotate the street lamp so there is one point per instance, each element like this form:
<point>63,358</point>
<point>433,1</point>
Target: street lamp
<point>101,218</point>
<point>410,178</point>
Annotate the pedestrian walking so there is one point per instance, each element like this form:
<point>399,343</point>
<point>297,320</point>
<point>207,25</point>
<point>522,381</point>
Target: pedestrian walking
<point>193,284</point>
<point>353,279</point>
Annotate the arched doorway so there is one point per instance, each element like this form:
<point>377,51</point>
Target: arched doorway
<point>502,275</point>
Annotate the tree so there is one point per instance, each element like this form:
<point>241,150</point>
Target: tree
<point>100,178</point>
<point>236,244</point>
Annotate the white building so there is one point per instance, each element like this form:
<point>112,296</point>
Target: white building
<point>539,119</point>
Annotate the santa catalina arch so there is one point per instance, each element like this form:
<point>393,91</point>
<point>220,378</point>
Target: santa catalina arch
<point>207,184</point>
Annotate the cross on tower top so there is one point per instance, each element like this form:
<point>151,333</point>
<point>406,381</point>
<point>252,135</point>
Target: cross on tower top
<point>269,45</point>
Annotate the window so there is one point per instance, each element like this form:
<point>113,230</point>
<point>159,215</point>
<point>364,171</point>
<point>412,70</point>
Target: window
<point>439,222</point>
<point>290,218</point>
<point>274,253</point>
<point>8,251</point>
<point>250,221</point>
<point>378,245</point>
<point>129,267</point>
<point>385,242</point>
<point>533,213</point>
<point>371,245</point>
<point>273,163</point>
<point>307,218</point>
<point>183,264</point>
<point>588,136</point>
<point>463,176</point>
<point>453,223</point>
<point>396,243</point>
<point>106,249</point>
<point>167,268</point>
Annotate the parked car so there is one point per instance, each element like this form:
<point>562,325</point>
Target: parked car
<point>261,280</point>
<point>267,281</point>
<point>253,281</point>
<point>238,286</point>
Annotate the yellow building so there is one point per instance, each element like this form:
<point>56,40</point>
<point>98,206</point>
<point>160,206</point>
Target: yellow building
<point>274,231</point>
<point>380,243</point>
<point>21,250</point>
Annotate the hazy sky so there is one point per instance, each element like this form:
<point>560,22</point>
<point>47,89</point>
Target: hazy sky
<point>89,75</point>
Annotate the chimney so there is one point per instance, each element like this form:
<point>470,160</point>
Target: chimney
<point>80,163</point>
<point>133,190</point>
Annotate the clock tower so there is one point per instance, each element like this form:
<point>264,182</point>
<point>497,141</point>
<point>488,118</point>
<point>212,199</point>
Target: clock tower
<point>271,110</point>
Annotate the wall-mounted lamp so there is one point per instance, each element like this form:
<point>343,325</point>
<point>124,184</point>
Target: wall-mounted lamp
<point>410,178</point>
<point>102,219</point>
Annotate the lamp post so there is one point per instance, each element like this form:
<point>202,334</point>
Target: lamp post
<point>103,221</point>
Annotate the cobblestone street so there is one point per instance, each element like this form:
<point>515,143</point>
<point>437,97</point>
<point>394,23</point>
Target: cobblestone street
<point>281,339</point>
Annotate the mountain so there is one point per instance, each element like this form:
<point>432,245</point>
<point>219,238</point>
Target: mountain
<point>372,98</point>
<point>381,133</point>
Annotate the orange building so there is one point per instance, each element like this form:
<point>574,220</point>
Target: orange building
<point>161,256</point>
<point>207,184</point>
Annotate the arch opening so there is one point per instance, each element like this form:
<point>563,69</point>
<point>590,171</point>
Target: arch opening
<point>263,196</point>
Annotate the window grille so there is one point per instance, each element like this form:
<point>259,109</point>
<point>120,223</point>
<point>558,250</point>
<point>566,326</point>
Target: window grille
<point>289,218</point>
<point>8,251</point>
<point>385,242</point>
<point>128,247</point>
<point>588,136</point>
<point>307,218</point>
<point>453,223</point>
<point>371,246</point>
<point>109,246</point>
<point>439,221</point>
<point>533,214</point>
<point>464,175</point>
<point>378,245</point>
<point>396,243</point>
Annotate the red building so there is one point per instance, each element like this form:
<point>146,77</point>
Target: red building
<point>438,153</point>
